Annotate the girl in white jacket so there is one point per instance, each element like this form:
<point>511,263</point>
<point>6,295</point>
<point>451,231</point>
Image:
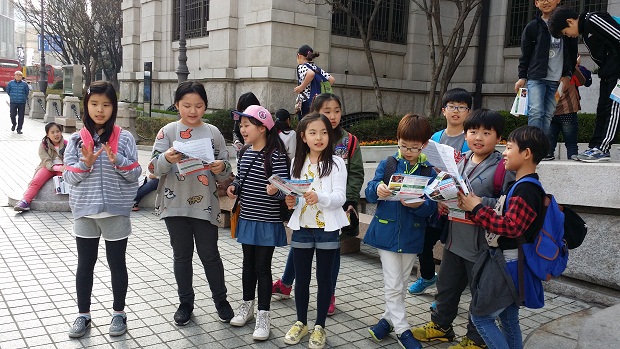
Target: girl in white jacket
<point>316,221</point>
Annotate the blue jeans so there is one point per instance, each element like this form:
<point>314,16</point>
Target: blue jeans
<point>146,188</point>
<point>509,337</point>
<point>541,103</point>
<point>566,123</point>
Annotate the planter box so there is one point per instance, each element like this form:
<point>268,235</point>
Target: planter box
<point>376,153</point>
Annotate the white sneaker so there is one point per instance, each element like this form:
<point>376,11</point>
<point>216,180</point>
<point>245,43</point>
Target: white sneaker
<point>243,314</point>
<point>263,326</point>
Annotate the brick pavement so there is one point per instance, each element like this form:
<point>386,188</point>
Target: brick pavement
<point>37,278</point>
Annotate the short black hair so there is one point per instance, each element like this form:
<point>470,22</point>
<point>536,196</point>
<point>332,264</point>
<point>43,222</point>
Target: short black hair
<point>557,20</point>
<point>531,137</point>
<point>457,95</point>
<point>245,100</point>
<point>487,118</point>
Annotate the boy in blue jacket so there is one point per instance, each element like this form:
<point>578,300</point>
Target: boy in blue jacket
<point>397,230</point>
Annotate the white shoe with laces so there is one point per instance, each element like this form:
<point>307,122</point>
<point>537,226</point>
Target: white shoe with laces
<point>243,314</point>
<point>263,325</point>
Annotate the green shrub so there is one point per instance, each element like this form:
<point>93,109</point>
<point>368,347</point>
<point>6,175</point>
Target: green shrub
<point>147,128</point>
<point>222,120</point>
<point>375,130</point>
<point>57,85</point>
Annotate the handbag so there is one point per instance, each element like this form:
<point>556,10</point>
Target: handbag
<point>234,219</point>
<point>236,209</point>
<point>223,184</point>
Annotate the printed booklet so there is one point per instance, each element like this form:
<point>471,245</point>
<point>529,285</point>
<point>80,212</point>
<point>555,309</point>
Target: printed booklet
<point>409,188</point>
<point>296,187</point>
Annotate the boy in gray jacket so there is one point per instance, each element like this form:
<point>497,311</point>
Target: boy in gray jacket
<point>465,242</point>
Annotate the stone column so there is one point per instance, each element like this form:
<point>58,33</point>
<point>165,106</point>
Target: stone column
<point>126,118</point>
<point>53,109</point>
<point>37,105</point>
<point>70,113</point>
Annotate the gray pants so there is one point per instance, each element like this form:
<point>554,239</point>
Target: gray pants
<point>453,277</point>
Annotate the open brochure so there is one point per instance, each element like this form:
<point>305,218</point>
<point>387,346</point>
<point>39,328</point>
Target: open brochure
<point>198,154</point>
<point>442,158</point>
<point>445,188</point>
<point>409,188</point>
<point>296,187</point>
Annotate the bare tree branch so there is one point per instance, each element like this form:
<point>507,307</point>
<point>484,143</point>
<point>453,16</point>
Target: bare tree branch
<point>452,47</point>
<point>86,32</point>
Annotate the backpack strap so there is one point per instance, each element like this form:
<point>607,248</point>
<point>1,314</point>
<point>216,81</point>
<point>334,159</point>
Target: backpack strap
<point>498,178</point>
<point>316,73</point>
<point>390,168</point>
<point>352,144</point>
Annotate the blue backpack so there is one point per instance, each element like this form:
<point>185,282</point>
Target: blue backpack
<point>319,83</point>
<point>547,255</point>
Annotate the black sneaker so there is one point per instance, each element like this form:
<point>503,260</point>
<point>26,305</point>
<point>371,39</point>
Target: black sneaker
<point>19,132</point>
<point>13,128</point>
<point>224,311</point>
<point>183,314</point>
<point>548,158</point>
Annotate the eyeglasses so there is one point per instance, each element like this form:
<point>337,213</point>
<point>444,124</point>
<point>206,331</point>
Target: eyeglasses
<point>458,108</point>
<point>410,149</point>
<point>544,1</point>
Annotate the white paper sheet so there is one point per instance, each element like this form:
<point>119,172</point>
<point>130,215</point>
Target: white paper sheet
<point>201,149</point>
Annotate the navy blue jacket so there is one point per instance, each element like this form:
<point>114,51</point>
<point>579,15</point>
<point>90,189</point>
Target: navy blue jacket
<point>18,91</point>
<point>535,45</point>
<point>395,227</point>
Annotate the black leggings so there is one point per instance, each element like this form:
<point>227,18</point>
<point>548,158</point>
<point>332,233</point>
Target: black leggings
<point>303,272</point>
<point>87,257</point>
<point>257,268</point>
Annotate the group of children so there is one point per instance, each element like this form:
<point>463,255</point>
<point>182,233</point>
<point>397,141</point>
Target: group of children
<point>103,188</point>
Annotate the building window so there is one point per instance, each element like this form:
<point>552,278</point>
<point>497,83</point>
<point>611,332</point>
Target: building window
<point>521,12</point>
<point>390,24</point>
<point>196,17</point>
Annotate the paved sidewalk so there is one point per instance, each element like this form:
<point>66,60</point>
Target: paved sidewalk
<point>37,282</point>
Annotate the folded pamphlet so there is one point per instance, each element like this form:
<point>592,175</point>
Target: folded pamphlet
<point>295,187</point>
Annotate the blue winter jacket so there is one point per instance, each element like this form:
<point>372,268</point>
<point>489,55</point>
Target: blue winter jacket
<point>395,227</point>
<point>18,91</point>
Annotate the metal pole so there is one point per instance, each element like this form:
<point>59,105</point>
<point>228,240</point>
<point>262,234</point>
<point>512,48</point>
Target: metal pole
<point>42,68</point>
<point>182,71</point>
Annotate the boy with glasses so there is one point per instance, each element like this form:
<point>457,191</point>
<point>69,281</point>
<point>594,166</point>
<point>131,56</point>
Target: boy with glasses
<point>544,62</point>
<point>457,103</point>
<point>397,229</point>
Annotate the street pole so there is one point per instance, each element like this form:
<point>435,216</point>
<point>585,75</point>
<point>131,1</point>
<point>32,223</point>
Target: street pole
<point>42,68</point>
<point>182,71</point>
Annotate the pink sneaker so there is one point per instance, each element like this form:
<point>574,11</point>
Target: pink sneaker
<point>332,306</point>
<point>281,290</point>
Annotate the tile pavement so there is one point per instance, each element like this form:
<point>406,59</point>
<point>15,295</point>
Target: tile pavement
<point>37,278</point>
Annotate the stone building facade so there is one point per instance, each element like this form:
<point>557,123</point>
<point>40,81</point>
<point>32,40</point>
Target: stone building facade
<point>236,46</point>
